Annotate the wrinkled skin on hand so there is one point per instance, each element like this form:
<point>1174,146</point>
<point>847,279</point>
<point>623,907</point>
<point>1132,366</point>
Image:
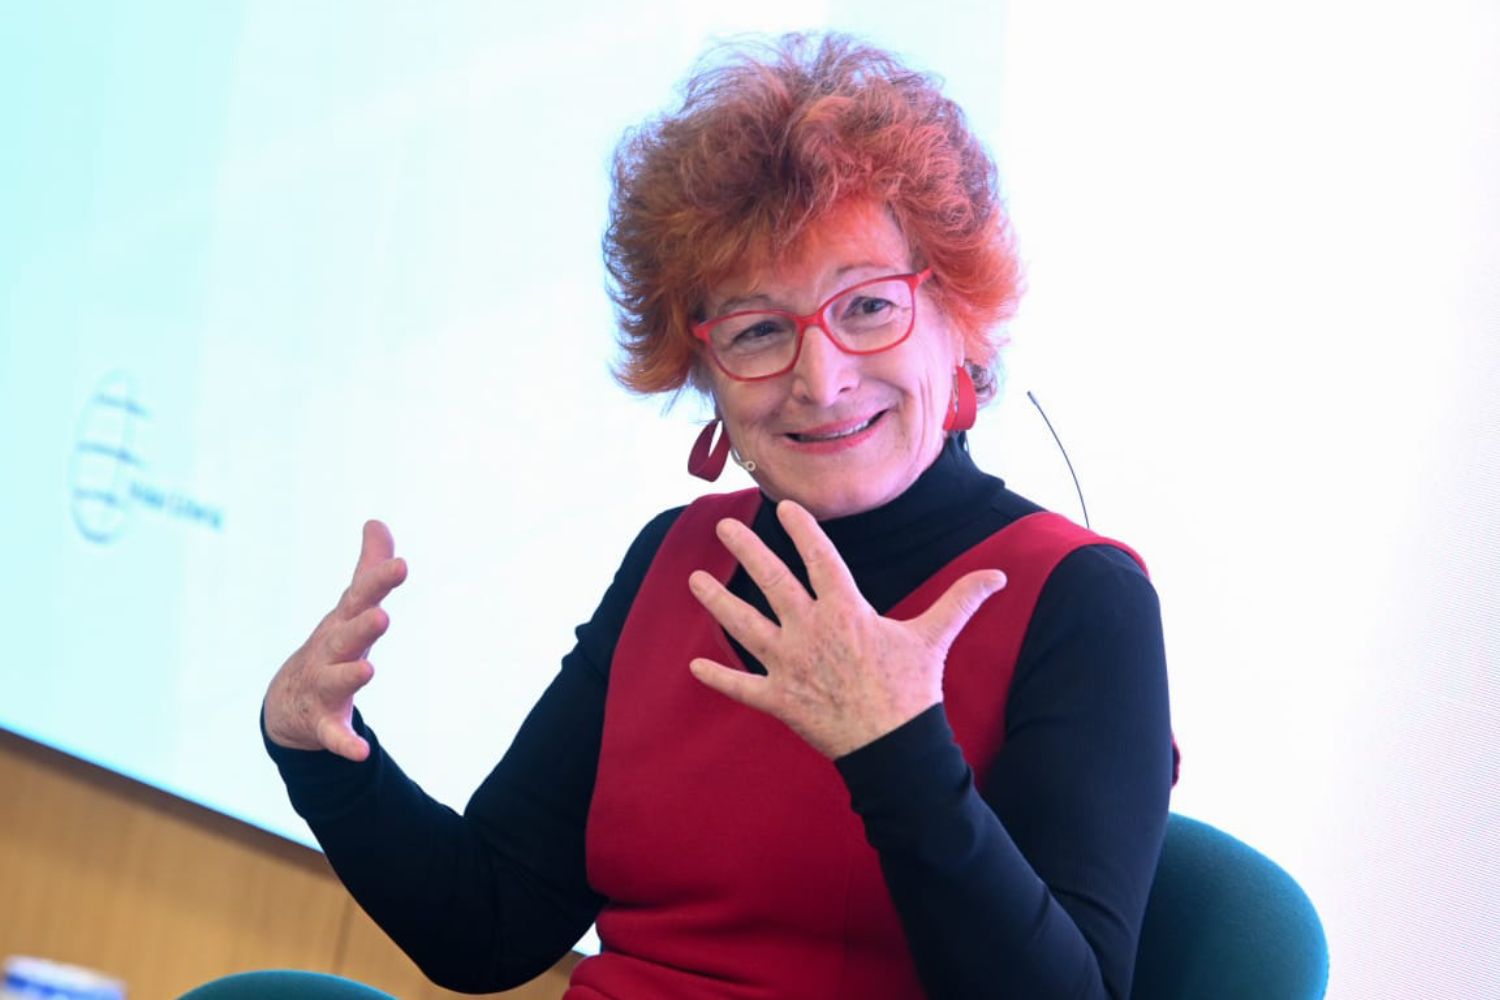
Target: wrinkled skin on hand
<point>840,675</point>
<point>310,702</point>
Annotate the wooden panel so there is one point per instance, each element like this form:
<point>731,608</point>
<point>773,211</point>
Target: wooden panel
<point>108,873</point>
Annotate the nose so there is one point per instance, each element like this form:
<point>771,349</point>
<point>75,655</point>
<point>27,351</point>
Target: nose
<point>823,372</point>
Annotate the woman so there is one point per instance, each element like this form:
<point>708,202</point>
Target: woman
<point>879,728</point>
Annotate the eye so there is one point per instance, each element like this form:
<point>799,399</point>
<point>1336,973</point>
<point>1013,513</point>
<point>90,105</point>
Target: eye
<point>765,328</point>
<point>754,332</point>
<point>867,309</point>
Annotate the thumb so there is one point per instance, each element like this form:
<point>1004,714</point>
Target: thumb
<point>339,738</point>
<point>948,615</point>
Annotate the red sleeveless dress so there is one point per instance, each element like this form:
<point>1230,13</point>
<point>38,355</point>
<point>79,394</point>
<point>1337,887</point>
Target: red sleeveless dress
<point>726,846</point>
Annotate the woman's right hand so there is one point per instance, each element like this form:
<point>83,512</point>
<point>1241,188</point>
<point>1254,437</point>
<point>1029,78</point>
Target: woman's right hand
<point>310,703</point>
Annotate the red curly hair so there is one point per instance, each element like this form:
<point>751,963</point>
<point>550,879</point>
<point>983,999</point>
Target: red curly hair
<point>770,139</point>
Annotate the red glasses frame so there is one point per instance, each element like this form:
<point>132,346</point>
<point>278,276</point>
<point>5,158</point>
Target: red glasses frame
<point>814,318</point>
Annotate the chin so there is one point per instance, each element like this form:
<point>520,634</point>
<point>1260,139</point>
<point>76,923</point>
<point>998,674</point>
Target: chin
<point>840,484</point>
<point>831,504</point>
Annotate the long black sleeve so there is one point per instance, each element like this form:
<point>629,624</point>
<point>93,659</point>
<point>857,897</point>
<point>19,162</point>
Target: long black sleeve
<point>474,914</point>
<point>490,899</point>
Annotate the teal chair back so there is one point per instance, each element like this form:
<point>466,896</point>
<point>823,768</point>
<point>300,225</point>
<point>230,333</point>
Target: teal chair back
<point>284,984</point>
<point>1226,922</point>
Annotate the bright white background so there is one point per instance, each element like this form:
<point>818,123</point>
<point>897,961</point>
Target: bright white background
<point>344,261</point>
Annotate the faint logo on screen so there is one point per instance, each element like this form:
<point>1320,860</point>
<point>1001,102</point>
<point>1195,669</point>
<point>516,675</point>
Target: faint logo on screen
<point>107,477</point>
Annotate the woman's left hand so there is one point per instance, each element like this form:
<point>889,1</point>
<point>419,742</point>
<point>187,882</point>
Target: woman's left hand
<point>837,673</point>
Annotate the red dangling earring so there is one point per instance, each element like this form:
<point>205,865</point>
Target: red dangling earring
<point>706,460</point>
<point>965,404</point>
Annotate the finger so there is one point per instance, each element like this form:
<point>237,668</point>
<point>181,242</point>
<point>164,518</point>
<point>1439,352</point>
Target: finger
<point>783,590</point>
<point>738,685</point>
<point>351,638</point>
<point>338,682</point>
<point>826,570</point>
<point>372,587</point>
<point>948,615</point>
<point>342,740</point>
<point>376,546</point>
<point>754,631</point>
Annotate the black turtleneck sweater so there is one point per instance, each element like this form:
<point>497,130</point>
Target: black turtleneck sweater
<point>1033,886</point>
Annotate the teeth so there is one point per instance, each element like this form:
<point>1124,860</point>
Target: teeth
<point>835,436</point>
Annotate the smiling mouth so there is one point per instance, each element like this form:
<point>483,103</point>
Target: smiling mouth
<point>809,438</point>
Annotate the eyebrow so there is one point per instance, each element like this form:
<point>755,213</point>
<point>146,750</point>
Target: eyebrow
<point>761,299</point>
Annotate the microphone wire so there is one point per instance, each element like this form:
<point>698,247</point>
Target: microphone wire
<point>1081,503</point>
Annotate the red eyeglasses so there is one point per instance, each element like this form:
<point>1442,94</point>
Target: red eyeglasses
<point>865,318</point>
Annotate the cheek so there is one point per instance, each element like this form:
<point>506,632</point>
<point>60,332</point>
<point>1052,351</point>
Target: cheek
<point>939,377</point>
<point>743,409</point>
<point>944,352</point>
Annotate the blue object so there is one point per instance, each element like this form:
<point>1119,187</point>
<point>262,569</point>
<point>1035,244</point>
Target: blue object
<point>1226,922</point>
<point>284,984</point>
<point>28,978</point>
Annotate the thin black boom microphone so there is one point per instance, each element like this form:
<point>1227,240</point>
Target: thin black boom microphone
<point>1065,457</point>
